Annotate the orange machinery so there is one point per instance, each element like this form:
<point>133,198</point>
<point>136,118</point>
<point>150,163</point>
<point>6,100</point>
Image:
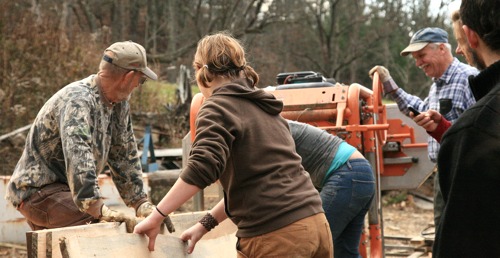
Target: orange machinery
<point>357,114</point>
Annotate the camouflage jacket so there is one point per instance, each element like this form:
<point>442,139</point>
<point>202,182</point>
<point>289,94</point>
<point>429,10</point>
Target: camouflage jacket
<point>74,136</point>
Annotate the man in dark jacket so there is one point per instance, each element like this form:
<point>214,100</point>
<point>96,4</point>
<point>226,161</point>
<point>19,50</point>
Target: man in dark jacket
<point>469,160</point>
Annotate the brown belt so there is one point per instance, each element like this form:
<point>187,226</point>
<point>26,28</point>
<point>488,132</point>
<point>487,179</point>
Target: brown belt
<point>48,190</point>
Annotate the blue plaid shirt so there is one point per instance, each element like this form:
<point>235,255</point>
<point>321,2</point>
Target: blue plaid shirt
<point>450,95</point>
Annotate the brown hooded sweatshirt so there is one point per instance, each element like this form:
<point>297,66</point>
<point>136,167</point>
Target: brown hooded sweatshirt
<point>242,140</point>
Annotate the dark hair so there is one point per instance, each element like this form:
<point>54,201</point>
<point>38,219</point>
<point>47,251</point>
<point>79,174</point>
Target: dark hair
<point>482,16</point>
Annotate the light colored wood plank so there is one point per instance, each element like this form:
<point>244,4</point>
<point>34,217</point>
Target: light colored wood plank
<point>123,245</point>
<point>417,241</point>
<point>218,243</point>
<point>416,255</point>
<point>45,243</point>
<point>134,245</point>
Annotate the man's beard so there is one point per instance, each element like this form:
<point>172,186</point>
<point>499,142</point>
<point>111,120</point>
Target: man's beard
<point>476,60</point>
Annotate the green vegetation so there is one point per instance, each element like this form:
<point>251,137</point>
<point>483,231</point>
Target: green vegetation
<point>394,197</point>
<point>153,96</point>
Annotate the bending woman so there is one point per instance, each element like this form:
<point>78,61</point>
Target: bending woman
<point>345,180</point>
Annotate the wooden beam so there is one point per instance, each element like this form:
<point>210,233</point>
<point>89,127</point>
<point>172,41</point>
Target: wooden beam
<point>20,130</point>
<point>45,243</point>
<point>111,240</point>
<point>134,245</point>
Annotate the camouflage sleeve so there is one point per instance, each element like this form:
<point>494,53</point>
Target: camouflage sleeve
<point>123,158</point>
<point>76,135</point>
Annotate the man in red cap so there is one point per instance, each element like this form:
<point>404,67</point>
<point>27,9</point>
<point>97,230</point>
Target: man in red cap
<point>80,130</point>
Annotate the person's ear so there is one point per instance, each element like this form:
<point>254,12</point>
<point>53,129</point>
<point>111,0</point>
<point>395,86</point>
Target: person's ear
<point>131,73</point>
<point>472,36</point>
<point>442,48</point>
<point>128,76</point>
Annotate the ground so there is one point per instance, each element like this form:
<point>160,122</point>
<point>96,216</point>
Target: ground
<point>407,230</point>
<point>408,218</point>
<point>408,212</point>
<point>406,221</point>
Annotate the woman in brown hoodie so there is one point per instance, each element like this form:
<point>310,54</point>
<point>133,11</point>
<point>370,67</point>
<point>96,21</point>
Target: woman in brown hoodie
<point>242,140</point>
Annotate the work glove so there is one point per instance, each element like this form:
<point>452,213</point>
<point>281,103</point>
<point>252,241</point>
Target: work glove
<point>109,215</point>
<point>382,72</point>
<point>146,208</point>
<point>385,78</point>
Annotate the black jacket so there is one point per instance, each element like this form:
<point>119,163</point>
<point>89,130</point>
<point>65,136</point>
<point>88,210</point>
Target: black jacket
<point>469,175</point>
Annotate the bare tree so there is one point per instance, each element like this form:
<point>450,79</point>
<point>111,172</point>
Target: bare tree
<point>195,18</point>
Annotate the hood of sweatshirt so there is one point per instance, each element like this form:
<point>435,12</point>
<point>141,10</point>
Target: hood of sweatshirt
<point>242,88</point>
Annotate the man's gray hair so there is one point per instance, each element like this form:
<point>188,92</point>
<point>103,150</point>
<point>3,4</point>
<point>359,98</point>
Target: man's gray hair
<point>436,45</point>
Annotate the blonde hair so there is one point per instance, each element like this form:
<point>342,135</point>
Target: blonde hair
<point>221,55</point>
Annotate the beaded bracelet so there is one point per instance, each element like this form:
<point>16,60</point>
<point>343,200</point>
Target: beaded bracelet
<point>161,213</point>
<point>209,222</point>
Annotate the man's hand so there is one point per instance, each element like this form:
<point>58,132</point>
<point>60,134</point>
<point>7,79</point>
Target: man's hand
<point>428,120</point>
<point>110,215</point>
<point>146,208</point>
<point>389,85</point>
<point>382,72</point>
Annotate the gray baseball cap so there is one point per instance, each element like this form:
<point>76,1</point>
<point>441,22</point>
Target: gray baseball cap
<point>131,56</point>
<point>424,37</point>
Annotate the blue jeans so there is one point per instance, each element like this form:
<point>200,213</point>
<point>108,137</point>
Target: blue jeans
<point>346,196</point>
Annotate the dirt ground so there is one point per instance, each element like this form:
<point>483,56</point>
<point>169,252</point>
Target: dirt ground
<point>408,218</point>
<point>410,221</point>
<point>409,212</point>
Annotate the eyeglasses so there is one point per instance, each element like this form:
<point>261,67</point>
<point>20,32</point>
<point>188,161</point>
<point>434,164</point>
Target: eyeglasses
<point>142,80</point>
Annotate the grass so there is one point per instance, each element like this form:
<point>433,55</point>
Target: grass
<point>153,96</point>
<point>393,197</point>
<point>156,104</point>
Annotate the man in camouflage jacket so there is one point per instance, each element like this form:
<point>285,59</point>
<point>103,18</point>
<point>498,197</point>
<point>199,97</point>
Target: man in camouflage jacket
<point>82,128</point>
